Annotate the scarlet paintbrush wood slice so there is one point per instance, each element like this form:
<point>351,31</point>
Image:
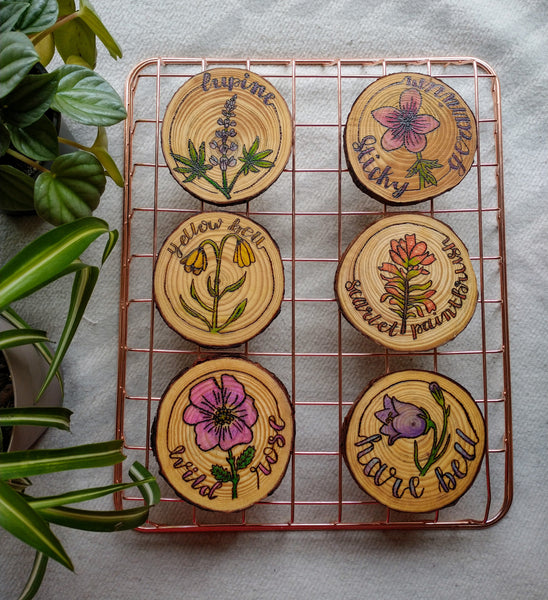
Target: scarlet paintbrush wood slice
<point>408,138</point>
<point>226,135</point>
<point>224,434</point>
<point>219,279</point>
<point>407,282</point>
<point>414,441</point>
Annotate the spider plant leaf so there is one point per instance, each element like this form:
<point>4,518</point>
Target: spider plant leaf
<point>36,576</point>
<point>44,416</point>
<point>146,483</point>
<point>19,519</point>
<point>19,337</point>
<point>95,520</point>
<point>25,463</point>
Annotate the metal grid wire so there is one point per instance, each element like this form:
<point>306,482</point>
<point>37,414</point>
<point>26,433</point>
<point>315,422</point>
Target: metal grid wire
<point>313,211</point>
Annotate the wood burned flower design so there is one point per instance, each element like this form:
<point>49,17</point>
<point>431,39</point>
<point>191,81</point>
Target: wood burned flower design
<point>223,416</point>
<point>408,128</point>
<point>406,296</point>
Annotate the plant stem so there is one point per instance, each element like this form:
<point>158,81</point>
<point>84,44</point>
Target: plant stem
<point>73,144</point>
<point>217,186</point>
<point>59,23</point>
<point>27,160</point>
<point>235,477</point>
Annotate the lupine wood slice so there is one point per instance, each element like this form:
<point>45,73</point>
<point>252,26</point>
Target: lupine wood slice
<point>223,435</point>
<point>407,282</point>
<point>219,279</point>
<point>414,441</point>
<point>227,135</point>
<point>409,137</point>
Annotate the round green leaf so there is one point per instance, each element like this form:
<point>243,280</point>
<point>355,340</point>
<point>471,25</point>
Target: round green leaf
<point>17,190</point>
<point>38,140</point>
<point>40,15</point>
<point>17,57</point>
<point>29,100</point>
<point>72,189</point>
<point>10,13</point>
<point>86,97</point>
<point>75,38</point>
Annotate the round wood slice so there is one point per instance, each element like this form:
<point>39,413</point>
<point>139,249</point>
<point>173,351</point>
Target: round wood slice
<point>409,137</point>
<point>219,279</point>
<point>224,434</point>
<point>226,135</point>
<point>414,441</point>
<point>407,282</point>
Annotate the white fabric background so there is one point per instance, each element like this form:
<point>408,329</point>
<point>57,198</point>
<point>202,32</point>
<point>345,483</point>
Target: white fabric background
<point>506,561</point>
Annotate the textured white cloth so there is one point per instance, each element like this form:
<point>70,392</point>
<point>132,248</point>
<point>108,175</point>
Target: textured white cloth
<point>506,561</point>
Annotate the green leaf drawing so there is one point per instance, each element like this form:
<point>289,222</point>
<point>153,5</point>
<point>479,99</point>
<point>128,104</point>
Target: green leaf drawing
<point>236,313</point>
<point>220,473</point>
<point>245,458</point>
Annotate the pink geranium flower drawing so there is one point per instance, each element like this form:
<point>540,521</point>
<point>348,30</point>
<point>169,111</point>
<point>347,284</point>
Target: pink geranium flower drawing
<point>408,128</point>
<point>405,126</point>
<point>223,416</point>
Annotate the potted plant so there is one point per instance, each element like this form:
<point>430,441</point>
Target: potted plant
<point>63,190</point>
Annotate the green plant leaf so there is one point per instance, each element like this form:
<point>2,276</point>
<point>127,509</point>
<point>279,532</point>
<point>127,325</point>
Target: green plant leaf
<point>10,13</point>
<point>90,17</point>
<point>14,319</point>
<point>19,519</point>
<point>40,15</point>
<point>29,100</point>
<point>236,313</point>
<point>46,49</point>
<point>25,463</point>
<point>75,39</point>
<point>36,576</point>
<point>146,483</point>
<point>220,473</point>
<point>38,140</point>
<point>245,458</point>
<point>47,258</point>
<point>82,288</point>
<point>4,139</point>
<point>100,149</point>
<point>234,286</point>
<point>86,97</point>
<point>96,520</point>
<point>17,57</point>
<point>17,190</point>
<point>43,416</point>
<point>19,337</point>
<point>71,190</point>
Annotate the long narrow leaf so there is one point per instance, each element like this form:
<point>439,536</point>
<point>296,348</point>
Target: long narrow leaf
<point>82,288</point>
<point>19,519</point>
<point>25,463</point>
<point>35,577</point>
<point>19,337</point>
<point>96,520</point>
<point>46,258</point>
<point>147,484</point>
<point>12,317</point>
<point>83,495</point>
<point>47,416</point>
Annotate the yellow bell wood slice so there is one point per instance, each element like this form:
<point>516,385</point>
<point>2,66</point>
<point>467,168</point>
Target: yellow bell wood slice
<point>409,137</point>
<point>219,279</point>
<point>407,282</point>
<point>226,135</point>
<point>223,435</point>
<point>414,441</point>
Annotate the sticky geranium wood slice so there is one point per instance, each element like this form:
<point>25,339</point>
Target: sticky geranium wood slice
<point>223,435</point>
<point>414,441</point>
<point>408,138</point>
<point>226,135</point>
<point>407,282</point>
<point>219,279</point>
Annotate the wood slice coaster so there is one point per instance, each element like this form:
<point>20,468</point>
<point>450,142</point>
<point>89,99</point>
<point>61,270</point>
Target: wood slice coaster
<point>226,135</point>
<point>414,441</point>
<point>224,434</point>
<point>407,282</point>
<point>409,137</point>
<point>219,279</point>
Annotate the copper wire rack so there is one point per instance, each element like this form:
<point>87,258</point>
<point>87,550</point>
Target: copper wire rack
<point>313,211</point>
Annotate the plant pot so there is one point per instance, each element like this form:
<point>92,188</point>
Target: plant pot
<point>28,369</point>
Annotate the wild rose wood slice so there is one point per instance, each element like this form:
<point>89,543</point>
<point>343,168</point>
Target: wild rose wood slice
<point>219,279</point>
<point>414,441</point>
<point>407,282</point>
<point>223,435</point>
<point>409,137</point>
<point>226,135</point>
